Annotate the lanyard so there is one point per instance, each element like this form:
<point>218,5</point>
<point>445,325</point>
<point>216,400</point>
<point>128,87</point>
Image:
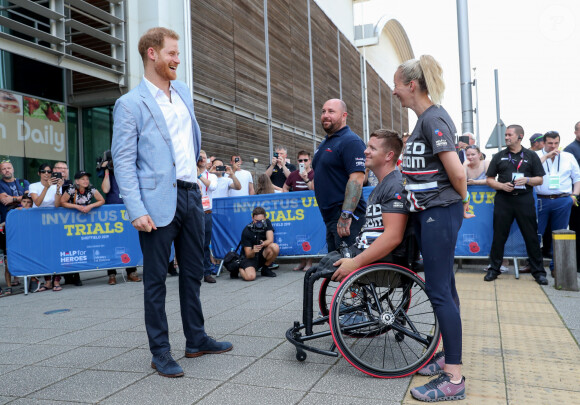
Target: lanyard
<point>513,161</point>
<point>548,166</point>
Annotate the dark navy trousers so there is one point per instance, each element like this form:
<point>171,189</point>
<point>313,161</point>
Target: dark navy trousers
<point>206,243</point>
<point>436,232</point>
<point>186,231</point>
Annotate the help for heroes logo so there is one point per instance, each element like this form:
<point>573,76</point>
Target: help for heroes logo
<point>73,256</point>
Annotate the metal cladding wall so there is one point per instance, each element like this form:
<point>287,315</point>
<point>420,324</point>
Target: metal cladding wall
<point>230,54</point>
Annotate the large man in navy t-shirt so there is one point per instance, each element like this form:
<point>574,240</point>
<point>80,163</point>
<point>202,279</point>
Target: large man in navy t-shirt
<point>339,164</point>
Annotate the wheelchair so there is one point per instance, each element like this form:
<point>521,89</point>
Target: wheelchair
<point>380,319</point>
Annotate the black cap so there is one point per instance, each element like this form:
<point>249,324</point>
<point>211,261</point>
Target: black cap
<point>80,174</point>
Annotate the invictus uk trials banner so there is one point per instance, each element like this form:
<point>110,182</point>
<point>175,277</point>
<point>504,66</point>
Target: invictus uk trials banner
<point>32,127</point>
<point>60,240</point>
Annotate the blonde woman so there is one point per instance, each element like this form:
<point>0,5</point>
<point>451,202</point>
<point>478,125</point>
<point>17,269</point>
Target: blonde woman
<point>436,192</point>
<point>475,166</point>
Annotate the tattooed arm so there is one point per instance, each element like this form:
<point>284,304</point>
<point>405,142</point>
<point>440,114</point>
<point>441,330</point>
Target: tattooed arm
<point>352,196</point>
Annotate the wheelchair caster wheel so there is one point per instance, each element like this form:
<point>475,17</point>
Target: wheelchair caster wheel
<point>300,356</point>
<point>399,337</point>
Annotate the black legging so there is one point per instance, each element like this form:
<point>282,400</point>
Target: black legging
<point>436,232</point>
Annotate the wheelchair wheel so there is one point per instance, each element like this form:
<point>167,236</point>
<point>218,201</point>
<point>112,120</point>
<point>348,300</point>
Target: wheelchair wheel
<point>325,294</point>
<point>382,321</point>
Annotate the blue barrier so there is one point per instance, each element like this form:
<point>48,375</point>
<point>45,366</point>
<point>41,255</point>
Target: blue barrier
<point>475,236</point>
<point>60,240</point>
<point>298,225</point>
<point>299,229</point>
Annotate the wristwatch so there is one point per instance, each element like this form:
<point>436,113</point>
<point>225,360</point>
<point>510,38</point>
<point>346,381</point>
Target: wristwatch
<point>345,215</point>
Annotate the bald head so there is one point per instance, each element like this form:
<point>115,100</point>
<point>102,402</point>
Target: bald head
<point>333,116</point>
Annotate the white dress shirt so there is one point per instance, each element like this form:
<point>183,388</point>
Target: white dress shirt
<point>565,166</point>
<point>178,122</point>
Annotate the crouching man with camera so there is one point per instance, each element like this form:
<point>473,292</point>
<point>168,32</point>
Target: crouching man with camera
<point>259,249</point>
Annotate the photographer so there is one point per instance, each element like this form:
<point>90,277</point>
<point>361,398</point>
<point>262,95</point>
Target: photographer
<point>280,168</point>
<point>112,196</point>
<point>259,249</point>
<point>46,192</point>
<point>224,183</point>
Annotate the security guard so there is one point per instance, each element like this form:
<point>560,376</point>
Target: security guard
<point>518,170</point>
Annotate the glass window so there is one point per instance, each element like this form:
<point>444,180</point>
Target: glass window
<point>97,136</point>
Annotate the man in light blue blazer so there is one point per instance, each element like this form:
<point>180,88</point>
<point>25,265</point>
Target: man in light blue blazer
<point>156,142</point>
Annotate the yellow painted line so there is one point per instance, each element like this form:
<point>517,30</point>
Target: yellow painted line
<point>564,237</point>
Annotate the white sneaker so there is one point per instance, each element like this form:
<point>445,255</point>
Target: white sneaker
<point>502,269</point>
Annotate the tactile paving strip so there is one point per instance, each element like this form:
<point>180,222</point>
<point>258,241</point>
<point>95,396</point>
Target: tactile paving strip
<point>484,367</point>
<point>537,352</point>
<point>522,307</point>
<point>487,295</point>
<point>526,395</point>
<point>542,373</point>
<point>478,392</point>
<point>539,319</point>
<point>487,345</point>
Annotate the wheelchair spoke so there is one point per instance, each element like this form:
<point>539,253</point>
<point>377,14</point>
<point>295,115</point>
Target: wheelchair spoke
<point>393,331</point>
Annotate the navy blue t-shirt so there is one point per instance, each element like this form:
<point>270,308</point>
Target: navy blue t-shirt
<point>15,188</point>
<point>574,148</point>
<point>335,159</point>
<point>114,194</point>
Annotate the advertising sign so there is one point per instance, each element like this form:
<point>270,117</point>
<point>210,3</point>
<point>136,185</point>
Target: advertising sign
<point>476,234</point>
<point>60,240</point>
<point>298,226</point>
<point>32,127</point>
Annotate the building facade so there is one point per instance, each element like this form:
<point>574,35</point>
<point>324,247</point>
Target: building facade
<point>260,71</point>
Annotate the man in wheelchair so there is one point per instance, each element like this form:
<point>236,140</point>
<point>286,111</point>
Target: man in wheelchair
<point>386,216</point>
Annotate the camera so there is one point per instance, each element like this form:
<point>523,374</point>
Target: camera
<point>276,154</point>
<point>258,226</point>
<point>108,157</point>
<point>57,175</point>
<point>220,168</point>
<point>236,159</point>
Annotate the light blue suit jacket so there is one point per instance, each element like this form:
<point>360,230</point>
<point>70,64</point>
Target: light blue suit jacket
<point>144,156</point>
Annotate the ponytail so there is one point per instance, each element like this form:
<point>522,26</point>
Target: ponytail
<point>428,74</point>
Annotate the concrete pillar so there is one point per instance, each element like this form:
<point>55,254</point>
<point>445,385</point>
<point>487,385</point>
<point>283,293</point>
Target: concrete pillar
<point>564,247</point>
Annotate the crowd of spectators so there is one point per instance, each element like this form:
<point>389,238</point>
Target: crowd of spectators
<point>561,178</point>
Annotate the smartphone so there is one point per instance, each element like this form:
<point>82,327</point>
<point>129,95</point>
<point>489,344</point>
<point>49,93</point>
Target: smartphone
<point>301,166</point>
<point>236,159</point>
<point>464,139</point>
<point>57,175</point>
<point>220,168</point>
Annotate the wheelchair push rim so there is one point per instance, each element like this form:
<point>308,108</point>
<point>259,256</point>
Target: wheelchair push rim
<point>382,321</point>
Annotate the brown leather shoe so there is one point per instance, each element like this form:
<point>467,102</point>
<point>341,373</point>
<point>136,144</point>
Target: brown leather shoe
<point>526,269</point>
<point>133,277</point>
<point>208,279</point>
<point>112,280</point>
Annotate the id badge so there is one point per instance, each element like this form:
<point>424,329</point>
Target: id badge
<point>516,176</point>
<point>554,182</point>
<point>205,202</point>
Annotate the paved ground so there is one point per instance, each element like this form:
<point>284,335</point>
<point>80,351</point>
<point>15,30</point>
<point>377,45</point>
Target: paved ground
<point>516,347</point>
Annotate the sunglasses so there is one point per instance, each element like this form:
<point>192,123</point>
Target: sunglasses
<point>472,147</point>
<point>45,171</point>
<point>5,161</point>
<point>303,160</point>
